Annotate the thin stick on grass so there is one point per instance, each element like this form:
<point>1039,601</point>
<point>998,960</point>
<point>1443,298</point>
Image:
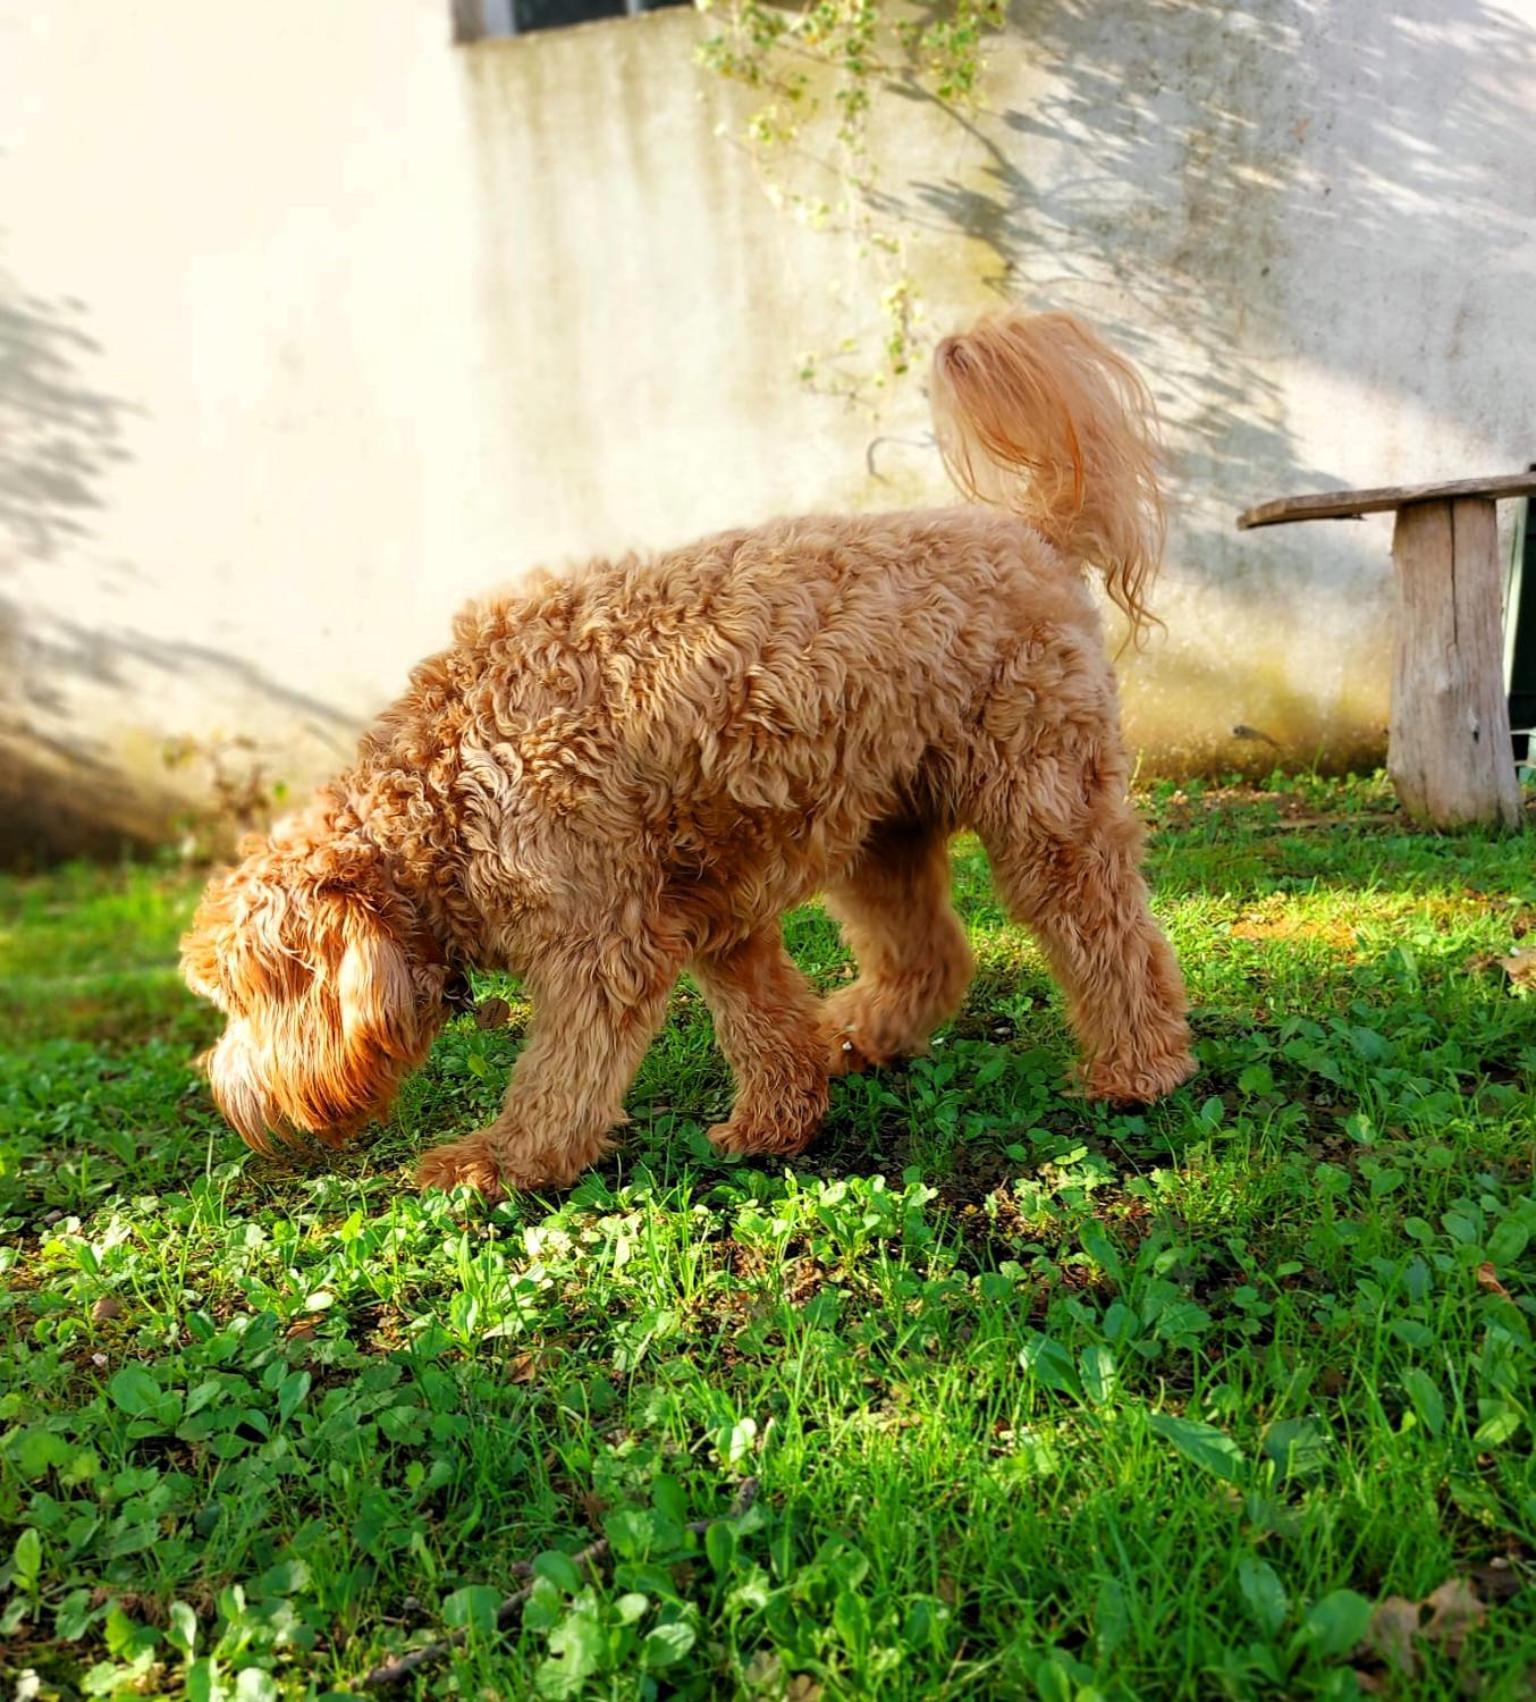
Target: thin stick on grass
<point>390,1673</point>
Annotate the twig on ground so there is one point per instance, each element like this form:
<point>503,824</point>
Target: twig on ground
<point>390,1673</point>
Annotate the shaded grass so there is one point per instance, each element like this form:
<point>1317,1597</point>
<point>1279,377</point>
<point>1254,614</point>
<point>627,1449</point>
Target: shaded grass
<point>1043,1400</point>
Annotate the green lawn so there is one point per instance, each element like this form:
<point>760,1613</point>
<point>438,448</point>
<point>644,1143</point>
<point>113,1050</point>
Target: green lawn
<point>1040,1401</point>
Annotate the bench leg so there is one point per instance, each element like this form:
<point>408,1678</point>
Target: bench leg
<point>1449,752</point>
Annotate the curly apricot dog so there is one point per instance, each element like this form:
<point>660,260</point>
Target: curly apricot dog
<point>635,768</point>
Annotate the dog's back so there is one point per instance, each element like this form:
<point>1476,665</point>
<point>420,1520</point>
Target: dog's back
<point>788,685</point>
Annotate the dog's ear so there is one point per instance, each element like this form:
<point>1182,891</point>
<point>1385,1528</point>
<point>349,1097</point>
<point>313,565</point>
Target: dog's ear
<point>376,990</point>
<point>339,1043</point>
<point>310,952</point>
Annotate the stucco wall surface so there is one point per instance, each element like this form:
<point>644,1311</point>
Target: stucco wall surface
<point>313,325</point>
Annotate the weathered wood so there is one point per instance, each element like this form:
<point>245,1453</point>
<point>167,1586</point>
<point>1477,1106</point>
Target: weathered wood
<point>1350,505</point>
<point>1449,752</point>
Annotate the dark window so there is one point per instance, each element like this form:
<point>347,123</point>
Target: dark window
<point>474,20</point>
<point>1520,633</point>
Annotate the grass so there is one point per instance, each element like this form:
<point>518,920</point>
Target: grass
<point>1041,1401</point>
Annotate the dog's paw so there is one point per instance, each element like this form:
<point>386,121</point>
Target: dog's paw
<point>469,1162</point>
<point>754,1140</point>
<point>1138,1083</point>
<point>846,1057</point>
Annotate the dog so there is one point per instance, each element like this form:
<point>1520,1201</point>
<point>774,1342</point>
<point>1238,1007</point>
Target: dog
<point>633,769</point>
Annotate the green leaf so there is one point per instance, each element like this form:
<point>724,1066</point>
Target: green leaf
<point>632,1607</point>
<point>1298,1447</point>
<point>1257,1078</point>
<point>575,1651</point>
<point>1460,1227</point>
<point>1053,1683</point>
<point>291,1392</point>
<point>1111,1619</point>
<point>254,1685</point>
<point>1508,1242</point>
<point>473,1609</point>
<point>668,1498</point>
<point>75,1616</point>
<point>123,1637</point>
<point>1099,1374</point>
<point>1210,1449</point>
<point>1502,1422</point>
<point>632,1532</point>
<point>544,1606</point>
<point>1264,1594</point>
<point>286,1578</point>
<point>1338,1622</point>
<point>850,1617</point>
<point>1049,1363</point>
<point>135,1392</point>
<point>737,1441</point>
<point>559,1568</point>
<point>1427,1403</point>
<point>720,1545</point>
<point>666,1645</point>
<point>201,1681</point>
<point>27,1560</point>
<point>1098,1246</point>
<point>39,1451</point>
<point>181,1628</point>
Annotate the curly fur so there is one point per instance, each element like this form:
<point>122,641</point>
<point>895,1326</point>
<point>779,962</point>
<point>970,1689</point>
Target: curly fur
<point>635,768</point>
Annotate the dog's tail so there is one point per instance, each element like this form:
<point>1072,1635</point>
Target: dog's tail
<point>1037,414</point>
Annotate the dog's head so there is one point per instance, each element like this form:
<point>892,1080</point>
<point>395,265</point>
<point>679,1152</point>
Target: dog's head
<point>317,962</point>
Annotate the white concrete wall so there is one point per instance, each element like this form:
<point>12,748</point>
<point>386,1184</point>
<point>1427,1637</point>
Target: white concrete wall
<point>312,325</point>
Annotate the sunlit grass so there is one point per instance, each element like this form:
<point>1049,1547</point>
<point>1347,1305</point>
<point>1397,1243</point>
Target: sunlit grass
<point>1042,1400</point>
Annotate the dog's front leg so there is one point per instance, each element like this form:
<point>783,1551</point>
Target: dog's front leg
<point>596,1011</point>
<point>773,1031</point>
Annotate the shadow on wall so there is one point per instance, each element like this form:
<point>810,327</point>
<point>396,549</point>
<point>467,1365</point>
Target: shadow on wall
<point>58,438</point>
<point>1192,211</point>
<point>77,796</point>
<point>1318,193</point>
<point>63,792</point>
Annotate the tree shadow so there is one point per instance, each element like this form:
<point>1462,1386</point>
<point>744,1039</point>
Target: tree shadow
<point>87,784</point>
<point>66,785</point>
<point>59,438</point>
<point>1205,178</point>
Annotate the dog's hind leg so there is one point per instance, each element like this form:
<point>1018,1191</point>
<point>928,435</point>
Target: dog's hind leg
<point>770,1027</point>
<point>914,962</point>
<point>1065,848</point>
<point>596,1011</point>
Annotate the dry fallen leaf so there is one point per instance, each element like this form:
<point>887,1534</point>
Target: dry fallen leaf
<point>492,1013</point>
<point>1488,1277</point>
<point>1454,1611</point>
<point>1390,1636</point>
<point>1520,965</point>
<point>109,1306</point>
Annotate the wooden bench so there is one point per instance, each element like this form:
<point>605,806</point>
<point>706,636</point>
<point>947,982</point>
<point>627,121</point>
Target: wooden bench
<point>1449,750</point>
